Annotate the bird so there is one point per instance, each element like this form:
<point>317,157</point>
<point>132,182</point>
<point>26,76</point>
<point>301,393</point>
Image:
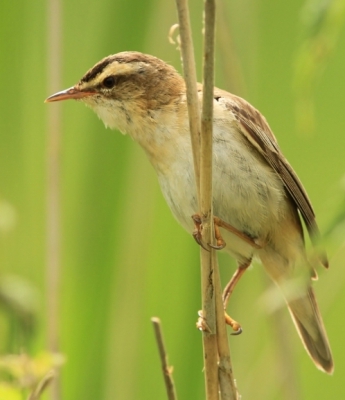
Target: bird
<point>257,196</point>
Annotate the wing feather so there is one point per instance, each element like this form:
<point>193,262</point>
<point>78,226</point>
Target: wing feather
<point>256,129</point>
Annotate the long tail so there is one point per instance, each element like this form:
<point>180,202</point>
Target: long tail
<point>308,321</point>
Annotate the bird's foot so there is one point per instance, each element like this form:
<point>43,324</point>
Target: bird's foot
<point>197,233</point>
<point>234,324</point>
<point>220,242</point>
<point>202,324</point>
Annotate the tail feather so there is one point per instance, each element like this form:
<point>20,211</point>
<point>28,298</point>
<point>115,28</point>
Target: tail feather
<point>308,321</point>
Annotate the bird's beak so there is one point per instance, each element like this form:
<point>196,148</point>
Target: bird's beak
<point>71,93</point>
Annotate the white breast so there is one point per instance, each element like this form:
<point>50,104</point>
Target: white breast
<point>247,193</point>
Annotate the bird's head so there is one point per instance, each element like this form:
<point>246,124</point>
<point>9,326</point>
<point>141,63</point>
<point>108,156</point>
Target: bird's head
<point>123,87</point>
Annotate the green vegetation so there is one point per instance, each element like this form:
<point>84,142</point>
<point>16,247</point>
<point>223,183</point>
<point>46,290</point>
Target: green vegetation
<point>123,257</point>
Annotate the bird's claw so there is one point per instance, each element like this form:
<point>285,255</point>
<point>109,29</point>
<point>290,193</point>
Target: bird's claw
<point>197,235</point>
<point>217,246</point>
<point>238,332</point>
<point>234,325</point>
<point>201,323</point>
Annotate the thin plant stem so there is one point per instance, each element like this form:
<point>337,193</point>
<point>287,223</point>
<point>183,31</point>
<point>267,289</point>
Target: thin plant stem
<point>214,337</point>
<point>227,386</point>
<point>42,385</point>
<point>189,72</point>
<point>167,370</point>
<point>208,304</point>
<point>206,211</point>
<point>53,186</point>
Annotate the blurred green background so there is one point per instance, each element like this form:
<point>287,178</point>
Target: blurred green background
<point>123,257</point>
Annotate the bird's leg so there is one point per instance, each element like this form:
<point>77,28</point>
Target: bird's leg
<point>219,223</point>
<point>229,288</point>
<point>197,234</point>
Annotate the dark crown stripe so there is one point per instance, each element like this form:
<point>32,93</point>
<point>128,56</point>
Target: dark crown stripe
<point>125,57</point>
<point>97,69</point>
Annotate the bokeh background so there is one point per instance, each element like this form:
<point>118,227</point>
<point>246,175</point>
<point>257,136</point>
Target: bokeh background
<point>123,257</point>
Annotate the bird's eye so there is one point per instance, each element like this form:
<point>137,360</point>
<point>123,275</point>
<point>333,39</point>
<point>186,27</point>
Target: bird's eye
<point>109,82</point>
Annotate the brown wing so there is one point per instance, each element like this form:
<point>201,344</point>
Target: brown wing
<point>256,129</point>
